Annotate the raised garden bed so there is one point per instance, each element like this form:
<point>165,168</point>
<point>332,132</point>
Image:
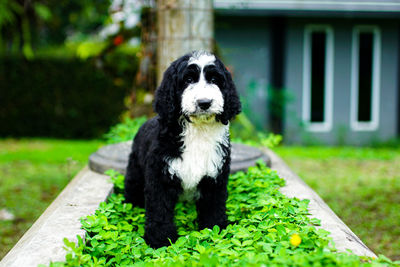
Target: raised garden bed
<point>44,241</point>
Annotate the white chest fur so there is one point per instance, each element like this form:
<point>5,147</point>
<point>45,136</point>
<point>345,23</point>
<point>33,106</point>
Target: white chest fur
<point>202,154</point>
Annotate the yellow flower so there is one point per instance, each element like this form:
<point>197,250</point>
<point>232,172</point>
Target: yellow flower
<point>295,240</point>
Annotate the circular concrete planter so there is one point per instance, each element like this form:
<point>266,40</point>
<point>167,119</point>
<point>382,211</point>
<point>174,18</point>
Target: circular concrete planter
<point>116,157</point>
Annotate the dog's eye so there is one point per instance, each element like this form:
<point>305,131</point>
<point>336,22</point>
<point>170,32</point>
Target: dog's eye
<point>213,79</point>
<point>189,80</point>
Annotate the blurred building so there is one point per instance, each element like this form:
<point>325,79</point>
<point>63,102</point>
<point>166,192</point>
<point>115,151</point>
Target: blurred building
<point>316,71</point>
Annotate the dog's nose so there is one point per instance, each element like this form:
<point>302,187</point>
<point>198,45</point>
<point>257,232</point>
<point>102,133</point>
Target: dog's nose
<point>204,103</point>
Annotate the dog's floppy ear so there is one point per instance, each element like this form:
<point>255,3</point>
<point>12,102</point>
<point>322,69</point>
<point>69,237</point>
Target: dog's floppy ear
<point>165,99</point>
<point>232,105</point>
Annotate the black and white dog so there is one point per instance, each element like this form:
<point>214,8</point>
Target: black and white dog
<point>186,148</point>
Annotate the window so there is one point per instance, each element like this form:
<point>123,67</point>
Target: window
<point>365,78</point>
<point>318,78</point>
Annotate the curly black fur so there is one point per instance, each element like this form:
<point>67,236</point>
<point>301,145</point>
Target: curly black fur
<point>148,182</point>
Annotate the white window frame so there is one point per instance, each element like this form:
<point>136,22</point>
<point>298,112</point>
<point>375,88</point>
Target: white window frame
<point>326,125</point>
<point>376,77</point>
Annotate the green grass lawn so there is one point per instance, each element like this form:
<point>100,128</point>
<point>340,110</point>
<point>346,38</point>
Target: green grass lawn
<point>361,185</point>
<point>32,173</point>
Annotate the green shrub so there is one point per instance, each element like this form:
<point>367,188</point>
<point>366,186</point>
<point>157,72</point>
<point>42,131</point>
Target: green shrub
<point>57,97</point>
<point>124,131</point>
<point>245,132</point>
<point>242,131</point>
<point>264,224</point>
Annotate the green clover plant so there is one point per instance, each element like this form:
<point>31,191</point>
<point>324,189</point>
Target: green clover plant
<point>266,229</point>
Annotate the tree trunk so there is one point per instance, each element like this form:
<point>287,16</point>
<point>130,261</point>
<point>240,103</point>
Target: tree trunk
<point>183,26</point>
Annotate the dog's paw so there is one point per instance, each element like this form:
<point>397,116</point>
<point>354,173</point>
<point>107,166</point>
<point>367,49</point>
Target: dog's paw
<point>159,235</point>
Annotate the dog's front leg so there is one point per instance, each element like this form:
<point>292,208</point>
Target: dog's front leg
<point>161,196</point>
<point>211,206</point>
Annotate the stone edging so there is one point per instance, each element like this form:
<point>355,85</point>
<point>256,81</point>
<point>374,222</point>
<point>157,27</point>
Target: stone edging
<point>43,242</point>
<point>341,234</point>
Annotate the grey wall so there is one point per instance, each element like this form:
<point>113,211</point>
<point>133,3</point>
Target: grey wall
<point>243,45</point>
<point>341,132</point>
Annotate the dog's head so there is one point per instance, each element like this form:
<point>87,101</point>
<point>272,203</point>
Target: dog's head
<point>198,87</point>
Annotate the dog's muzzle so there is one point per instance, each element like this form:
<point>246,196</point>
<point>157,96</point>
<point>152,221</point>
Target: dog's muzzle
<point>203,112</point>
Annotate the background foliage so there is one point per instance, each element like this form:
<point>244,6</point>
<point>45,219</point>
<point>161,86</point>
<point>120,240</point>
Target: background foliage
<point>28,25</point>
<point>57,69</point>
<point>57,97</point>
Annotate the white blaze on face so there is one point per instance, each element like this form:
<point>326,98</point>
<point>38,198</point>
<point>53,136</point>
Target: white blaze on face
<point>202,89</point>
<point>202,59</point>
